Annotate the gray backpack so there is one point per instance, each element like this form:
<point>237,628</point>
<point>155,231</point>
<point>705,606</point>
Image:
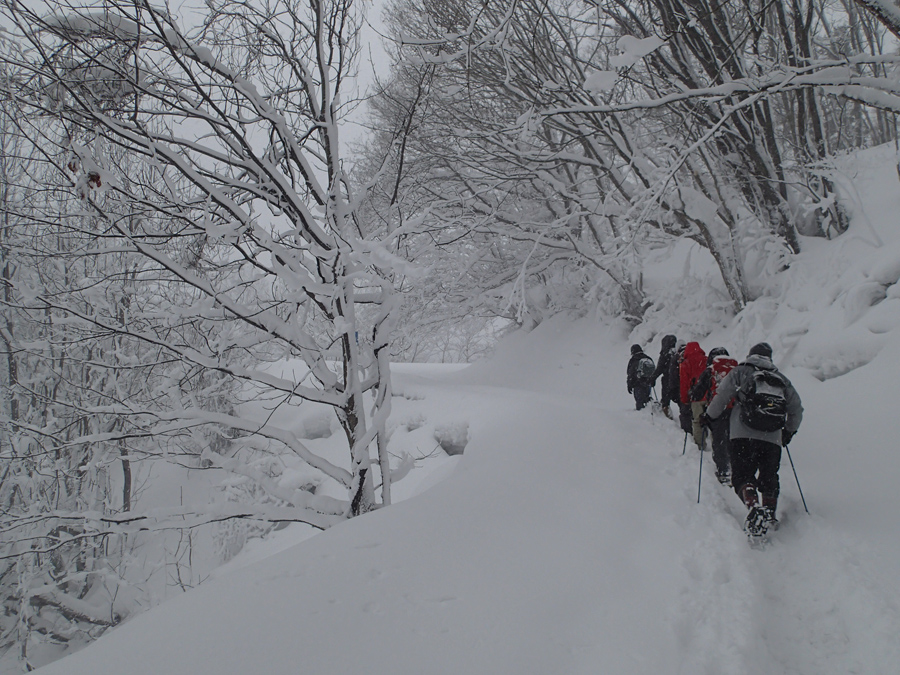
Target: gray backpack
<point>762,399</point>
<point>645,369</point>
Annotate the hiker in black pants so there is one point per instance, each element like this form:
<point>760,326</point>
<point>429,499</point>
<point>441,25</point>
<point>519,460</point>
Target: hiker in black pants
<point>756,452</point>
<point>639,376</point>
<point>669,389</point>
<point>718,365</point>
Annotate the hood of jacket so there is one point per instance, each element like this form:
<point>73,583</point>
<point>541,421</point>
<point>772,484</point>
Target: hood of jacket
<point>694,350</point>
<point>761,362</point>
<point>668,342</point>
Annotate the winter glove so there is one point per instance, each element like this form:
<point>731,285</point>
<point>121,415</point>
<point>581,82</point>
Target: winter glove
<point>705,420</point>
<point>786,437</point>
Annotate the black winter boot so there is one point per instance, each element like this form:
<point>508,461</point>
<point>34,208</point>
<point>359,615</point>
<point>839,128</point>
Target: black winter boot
<point>769,505</point>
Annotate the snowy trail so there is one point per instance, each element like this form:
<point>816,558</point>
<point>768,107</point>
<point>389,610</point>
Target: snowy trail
<point>568,540</point>
<point>817,600</point>
<point>844,625</point>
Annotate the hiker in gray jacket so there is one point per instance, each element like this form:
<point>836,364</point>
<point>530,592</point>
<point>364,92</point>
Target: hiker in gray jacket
<point>755,451</point>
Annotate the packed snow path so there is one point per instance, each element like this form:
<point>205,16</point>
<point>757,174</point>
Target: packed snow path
<point>567,540</point>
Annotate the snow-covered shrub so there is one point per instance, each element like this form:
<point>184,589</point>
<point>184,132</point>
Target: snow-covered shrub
<point>452,437</point>
<point>414,421</point>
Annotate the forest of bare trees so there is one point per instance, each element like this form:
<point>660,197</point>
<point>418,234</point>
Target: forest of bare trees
<point>577,134</point>
<point>179,218</point>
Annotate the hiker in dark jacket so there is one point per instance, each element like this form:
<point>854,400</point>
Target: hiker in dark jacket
<point>718,365</point>
<point>756,454</point>
<point>667,393</point>
<point>639,376</point>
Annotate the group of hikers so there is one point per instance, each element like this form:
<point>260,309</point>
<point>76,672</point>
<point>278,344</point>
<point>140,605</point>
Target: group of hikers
<point>749,410</point>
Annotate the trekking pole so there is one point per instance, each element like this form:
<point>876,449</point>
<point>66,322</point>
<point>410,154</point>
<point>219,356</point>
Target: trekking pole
<point>796,479</point>
<point>702,443</point>
<point>684,449</point>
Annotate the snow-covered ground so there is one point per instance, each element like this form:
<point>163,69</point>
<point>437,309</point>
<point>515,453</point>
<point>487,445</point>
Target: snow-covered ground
<point>568,538</point>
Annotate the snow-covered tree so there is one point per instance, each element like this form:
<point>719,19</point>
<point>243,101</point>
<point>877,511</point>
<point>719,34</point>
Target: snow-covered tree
<point>585,134</point>
<point>64,451</point>
<point>209,160</point>
<point>520,197</point>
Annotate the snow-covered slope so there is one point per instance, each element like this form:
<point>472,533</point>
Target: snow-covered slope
<point>569,540</point>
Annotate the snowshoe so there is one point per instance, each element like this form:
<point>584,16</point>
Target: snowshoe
<point>761,522</point>
<point>757,523</point>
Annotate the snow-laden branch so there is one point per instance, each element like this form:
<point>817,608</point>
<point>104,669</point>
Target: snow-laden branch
<point>825,73</point>
<point>886,11</point>
<point>209,362</point>
<point>316,511</point>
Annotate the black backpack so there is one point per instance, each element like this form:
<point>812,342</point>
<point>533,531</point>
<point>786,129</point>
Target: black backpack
<point>762,399</point>
<point>645,369</point>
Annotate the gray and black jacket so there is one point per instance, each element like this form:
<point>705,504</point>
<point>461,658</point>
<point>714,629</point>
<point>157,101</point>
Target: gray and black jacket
<point>731,385</point>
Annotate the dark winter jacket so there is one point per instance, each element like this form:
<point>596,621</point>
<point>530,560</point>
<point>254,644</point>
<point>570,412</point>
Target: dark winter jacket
<point>632,378</point>
<point>663,369</point>
<point>674,392</point>
<point>732,384</point>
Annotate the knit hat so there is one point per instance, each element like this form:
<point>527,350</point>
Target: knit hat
<point>761,349</point>
<point>635,349</point>
<point>714,352</point>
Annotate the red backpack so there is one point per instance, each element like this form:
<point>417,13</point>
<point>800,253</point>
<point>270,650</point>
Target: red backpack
<point>721,366</point>
<point>692,366</point>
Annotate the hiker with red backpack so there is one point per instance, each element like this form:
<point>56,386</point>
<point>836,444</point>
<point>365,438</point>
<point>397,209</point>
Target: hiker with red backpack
<point>766,415</point>
<point>718,365</point>
<point>639,376</point>
<point>692,365</point>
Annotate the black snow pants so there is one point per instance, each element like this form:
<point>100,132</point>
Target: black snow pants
<point>641,395</point>
<point>719,429</point>
<point>685,417</point>
<point>756,463</point>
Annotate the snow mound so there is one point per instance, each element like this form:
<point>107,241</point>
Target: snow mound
<point>318,425</point>
<point>452,437</point>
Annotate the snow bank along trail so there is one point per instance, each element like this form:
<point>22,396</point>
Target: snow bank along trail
<point>568,540</point>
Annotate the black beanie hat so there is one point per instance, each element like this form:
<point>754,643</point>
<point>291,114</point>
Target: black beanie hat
<point>635,349</point>
<point>714,352</point>
<point>761,349</point>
